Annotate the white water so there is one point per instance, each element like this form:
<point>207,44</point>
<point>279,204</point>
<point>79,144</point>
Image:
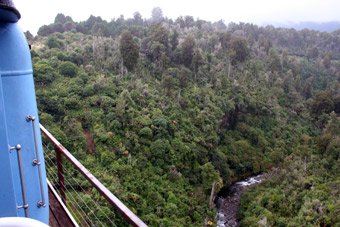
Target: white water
<point>228,219</point>
<point>250,181</point>
<point>221,219</point>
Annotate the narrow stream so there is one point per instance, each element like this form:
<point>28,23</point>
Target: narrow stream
<point>228,201</point>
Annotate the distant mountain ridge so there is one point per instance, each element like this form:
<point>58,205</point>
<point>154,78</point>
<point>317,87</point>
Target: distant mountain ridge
<point>319,26</point>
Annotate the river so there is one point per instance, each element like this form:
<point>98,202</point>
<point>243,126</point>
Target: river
<point>228,201</point>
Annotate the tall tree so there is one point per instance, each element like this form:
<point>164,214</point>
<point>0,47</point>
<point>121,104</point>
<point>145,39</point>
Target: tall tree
<point>137,17</point>
<point>60,18</point>
<point>160,34</point>
<point>239,50</point>
<point>156,15</point>
<point>188,51</point>
<point>174,40</point>
<point>129,50</point>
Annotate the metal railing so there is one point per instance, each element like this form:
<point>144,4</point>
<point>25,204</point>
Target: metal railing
<point>60,152</point>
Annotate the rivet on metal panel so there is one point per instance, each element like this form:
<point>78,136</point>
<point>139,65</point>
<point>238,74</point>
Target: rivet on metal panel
<point>41,204</point>
<point>30,118</point>
<point>35,162</point>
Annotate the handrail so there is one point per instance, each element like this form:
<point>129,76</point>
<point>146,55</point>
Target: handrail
<point>128,215</point>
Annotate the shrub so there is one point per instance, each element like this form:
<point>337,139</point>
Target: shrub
<point>68,69</point>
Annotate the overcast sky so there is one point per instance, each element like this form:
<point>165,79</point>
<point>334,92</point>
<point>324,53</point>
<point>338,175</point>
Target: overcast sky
<point>36,13</point>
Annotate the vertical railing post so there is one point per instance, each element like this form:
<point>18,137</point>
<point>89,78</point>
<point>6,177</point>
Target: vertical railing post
<point>61,180</point>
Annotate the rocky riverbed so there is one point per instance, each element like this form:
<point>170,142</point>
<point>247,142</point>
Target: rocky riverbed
<point>228,201</point>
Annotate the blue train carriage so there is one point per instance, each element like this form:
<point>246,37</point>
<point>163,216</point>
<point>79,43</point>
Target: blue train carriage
<point>23,187</point>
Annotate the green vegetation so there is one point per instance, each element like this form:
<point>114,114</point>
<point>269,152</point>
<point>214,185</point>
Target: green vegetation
<point>305,190</point>
<point>175,107</point>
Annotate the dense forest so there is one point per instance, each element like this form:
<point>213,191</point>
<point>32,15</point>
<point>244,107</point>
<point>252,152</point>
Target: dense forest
<point>163,110</point>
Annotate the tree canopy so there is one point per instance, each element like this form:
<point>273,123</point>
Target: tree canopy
<point>174,107</point>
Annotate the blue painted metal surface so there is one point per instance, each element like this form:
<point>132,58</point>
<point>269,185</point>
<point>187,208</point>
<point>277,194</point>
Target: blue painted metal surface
<point>17,100</point>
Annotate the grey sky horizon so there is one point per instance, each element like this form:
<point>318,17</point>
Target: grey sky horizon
<point>36,13</point>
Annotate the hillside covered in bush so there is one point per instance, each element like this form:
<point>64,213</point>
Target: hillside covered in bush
<point>161,110</point>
